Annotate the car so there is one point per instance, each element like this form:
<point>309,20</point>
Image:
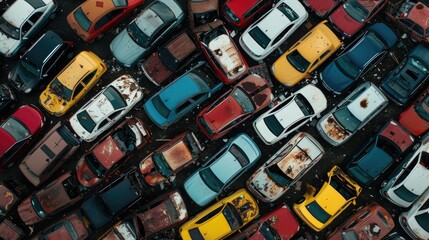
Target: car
<point>405,81</point>
<point>9,197</point>
<point>371,222</point>
<point>272,29</point>
<point>289,114</point>
<point>235,106</point>
<point>285,167</point>
<point>161,214</point>
<point>239,14</point>
<point>72,83</point>
<point>18,131</point>
<point>114,199</point>
<point>318,209</point>
<point>203,14</point>
<point>222,54</point>
<point>223,218</point>
<point>22,21</point>
<point>409,180</point>
<point>353,15</point>
<point>92,18</point>
<point>415,118</point>
<point>149,28</point>
<point>7,98</point>
<point>408,15</point>
<point>171,58</point>
<point>306,55</point>
<point>10,231</point>
<point>381,151</point>
<point>55,197</point>
<point>351,114</point>
<point>164,163</point>
<point>322,8</point>
<point>221,169</point>
<point>51,152</point>
<point>106,108</point>
<point>358,58</point>
<point>72,226</point>
<point>113,150</point>
<point>394,236</point>
<point>40,62</point>
<point>279,223</point>
<point>414,221</point>
<point>181,96</point>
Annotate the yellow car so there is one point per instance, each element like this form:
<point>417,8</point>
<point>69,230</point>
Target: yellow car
<point>306,55</point>
<point>72,83</point>
<point>222,218</point>
<point>319,210</point>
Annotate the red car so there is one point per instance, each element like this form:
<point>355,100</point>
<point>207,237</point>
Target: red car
<point>352,16</point>
<point>93,17</point>
<point>238,104</point>
<point>129,137</point>
<point>240,14</point>
<point>10,231</point>
<point>18,131</point>
<point>278,224</point>
<point>416,117</point>
<point>322,7</point>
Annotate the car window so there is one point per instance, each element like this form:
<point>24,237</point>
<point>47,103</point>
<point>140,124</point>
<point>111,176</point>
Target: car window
<point>86,121</point>
<point>82,19</point>
<point>183,106</point>
<point>8,29</point>
<point>423,220</point>
<point>318,212</point>
<point>298,61</point>
<point>273,125</point>
<point>356,10</point>
<point>52,60</point>
<point>260,37</point>
<point>238,153</point>
<point>211,180</point>
<point>120,3</point>
<point>14,149</point>
<point>115,98</point>
<point>77,90</point>
<point>35,17</point>
<point>107,18</point>
<point>347,119</point>
<point>383,218</point>
<point>282,34</point>
<point>25,28</point>
<point>161,165</point>
<point>209,215</point>
<point>36,3</point>
<point>88,77</point>
<point>405,194</point>
<point>16,129</point>
<point>232,216</point>
<point>254,9</point>
<point>114,115</point>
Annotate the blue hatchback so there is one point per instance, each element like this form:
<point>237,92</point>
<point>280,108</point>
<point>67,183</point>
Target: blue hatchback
<point>358,57</point>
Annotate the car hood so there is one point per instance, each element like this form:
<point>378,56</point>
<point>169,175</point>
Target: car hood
<point>413,122</point>
<point>52,103</point>
<point>264,185</point>
<point>125,50</point>
<point>85,176</point>
<point>264,132</point>
<point>333,130</point>
<point>335,79</point>
<point>95,213</point>
<point>8,45</point>
<point>224,113</point>
<point>285,72</point>
<point>343,21</point>
<point>198,190</point>
<point>21,79</point>
<point>27,213</point>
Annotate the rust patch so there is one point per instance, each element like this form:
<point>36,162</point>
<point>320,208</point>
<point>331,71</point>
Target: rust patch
<point>334,130</point>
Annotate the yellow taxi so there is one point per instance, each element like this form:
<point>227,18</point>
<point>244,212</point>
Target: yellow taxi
<point>222,218</point>
<point>306,55</point>
<point>319,210</point>
<point>72,83</point>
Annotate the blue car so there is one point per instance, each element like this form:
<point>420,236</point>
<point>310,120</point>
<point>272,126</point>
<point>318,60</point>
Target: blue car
<point>403,82</point>
<point>181,96</point>
<point>238,155</point>
<point>357,58</point>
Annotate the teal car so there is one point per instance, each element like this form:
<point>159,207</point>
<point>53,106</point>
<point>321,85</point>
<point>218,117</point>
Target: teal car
<point>181,96</point>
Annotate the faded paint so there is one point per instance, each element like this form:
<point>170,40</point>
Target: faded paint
<point>296,161</point>
<point>246,207</point>
<point>178,155</point>
<point>108,152</point>
<point>335,130</point>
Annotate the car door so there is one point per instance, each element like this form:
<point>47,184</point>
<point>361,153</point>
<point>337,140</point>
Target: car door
<point>32,25</point>
<point>108,20</point>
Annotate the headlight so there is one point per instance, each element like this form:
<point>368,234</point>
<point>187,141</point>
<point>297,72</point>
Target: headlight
<point>27,90</point>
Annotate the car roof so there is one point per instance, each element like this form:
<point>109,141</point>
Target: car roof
<point>366,103</point>
<point>44,47</point>
<point>77,68</point>
<point>94,9</point>
<point>330,199</point>
<point>419,14</point>
<point>318,42</point>
<point>177,155</point>
<point>414,181</point>
<point>241,7</point>
<point>108,152</point>
<point>18,12</point>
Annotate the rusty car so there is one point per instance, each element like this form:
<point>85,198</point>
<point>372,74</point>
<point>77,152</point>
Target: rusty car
<point>415,118</point>
<point>9,198</point>
<point>203,15</point>
<point>10,231</point>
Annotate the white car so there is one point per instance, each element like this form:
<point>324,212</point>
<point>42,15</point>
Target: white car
<point>22,21</point>
<point>273,28</point>
<point>351,114</point>
<point>106,108</point>
<point>410,179</point>
<point>290,114</point>
<point>415,221</point>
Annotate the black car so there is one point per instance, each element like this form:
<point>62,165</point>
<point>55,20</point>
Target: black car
<point>7,97</point>
<point>108,203</point>
<point>41,61</point>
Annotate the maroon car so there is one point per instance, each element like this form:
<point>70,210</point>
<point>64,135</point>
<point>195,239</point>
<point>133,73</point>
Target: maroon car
<point>416,117</point>
<point>240,14</point>
<point>106,156</point>
<point>9,231</point>
<point>170,158</point>
<point>277,224</point>
<point>55,197</point>
<point>371,222</point>
<point>322,7</point>
<point>352,15</point>
<point>247,97</point>
<point>203,14</point>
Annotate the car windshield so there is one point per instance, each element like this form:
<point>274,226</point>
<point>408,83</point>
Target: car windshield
<point>82,19</point>
<point>346,119</point>
<point>389,147</point>
<point>86,121</point>
<point>94,165</point>
<point>232,216</point>
<point>273,125</point>
<point>60,90</point>
<point>277,175</point>
<point>115,98</point>
<point>30,67</point>
<point>349,235</point>
<point>244,100</point>
<point>419,65</point>
<point>288,12</point>
<point>35,203</point>
<point>347,67</point>
<point>211,180</point>
<point>423,220</point>
<point>260,37</point>
<point>71,231</point>
<point>161,165</point>
<point>269,232</point>
<point>8,29</point>
<point>317,211</point>
<point>15,128</point>
<point>422,109</point>
<point>120,3</point>
<point>160,106</point>
<point>138,36</point>
<point>298,61</point>
<point>356,10</point>
<point>230,14</point>
<point>405,194</point>
<point>304,105</point>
